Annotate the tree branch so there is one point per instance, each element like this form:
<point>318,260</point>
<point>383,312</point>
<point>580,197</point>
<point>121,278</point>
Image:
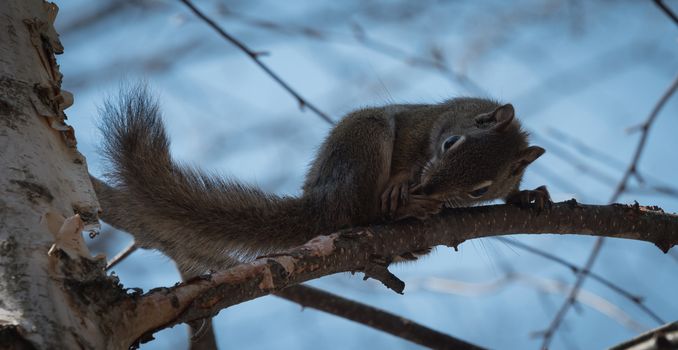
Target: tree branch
<point>122,255</point>
<point>667,11</point>
<point>306,297</point>
<point>255,57</point>
<point>356,249</point>
<point>664,337</point>
<point>609,161</point>
<point>373,317</point>
<point>632,170</point>
<point>572,295</point>
<point>638,300</point>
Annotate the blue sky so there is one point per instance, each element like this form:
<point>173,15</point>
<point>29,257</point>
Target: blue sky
<point>583,69</point>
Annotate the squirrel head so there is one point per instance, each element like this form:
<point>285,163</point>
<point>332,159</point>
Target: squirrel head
<point>485,162</point>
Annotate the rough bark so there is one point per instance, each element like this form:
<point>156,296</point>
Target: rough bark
<point>661,338</point>
<point>46,197</point>
<point>371,250</point>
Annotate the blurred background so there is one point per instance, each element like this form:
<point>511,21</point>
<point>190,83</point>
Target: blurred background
<point>579,73</point>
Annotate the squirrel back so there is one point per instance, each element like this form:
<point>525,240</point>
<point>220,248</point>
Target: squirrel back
<point>377,164</point>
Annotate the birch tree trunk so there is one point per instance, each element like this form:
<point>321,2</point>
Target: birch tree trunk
<point>48,282</point>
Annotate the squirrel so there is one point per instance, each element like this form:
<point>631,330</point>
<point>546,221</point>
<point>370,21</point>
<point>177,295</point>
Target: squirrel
<point>376,165</point>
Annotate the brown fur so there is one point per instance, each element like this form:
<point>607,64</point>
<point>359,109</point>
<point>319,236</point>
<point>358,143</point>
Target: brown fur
<point>367,169</point>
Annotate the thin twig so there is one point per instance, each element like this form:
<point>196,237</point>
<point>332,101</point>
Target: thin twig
<point>99,15</point>
<point>359,35</point>
<point>645,130</point>
<point>572,296</point>
<point>122,255</point>
<point>667,11</point>
<point>612,162</point>
<point>597,174</point>
<point>255,57</point>
<point>576,269</point>
<point>540,284</point>
<point>664,337</point>
<point>573,160</point>
<point>584,149</point>
<point>621,187</point>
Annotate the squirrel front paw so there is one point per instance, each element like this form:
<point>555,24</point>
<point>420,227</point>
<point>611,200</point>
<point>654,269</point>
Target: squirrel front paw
<point>420,207</point>
<point>396,195</point>
<point>539,198</point>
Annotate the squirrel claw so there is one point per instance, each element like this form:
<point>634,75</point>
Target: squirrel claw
<point>419,207</point>
<point>539,198</point>
<point>395,195</point>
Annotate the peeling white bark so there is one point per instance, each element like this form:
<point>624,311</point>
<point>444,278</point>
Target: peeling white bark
<point>43,185</point>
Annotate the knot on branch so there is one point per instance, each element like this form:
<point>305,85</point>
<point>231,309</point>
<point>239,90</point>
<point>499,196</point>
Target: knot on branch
<point>377,269</point>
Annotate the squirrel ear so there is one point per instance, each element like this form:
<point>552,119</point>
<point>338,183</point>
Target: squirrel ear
<point>531,153</point>
<point>498,119</point>
<point>525,157</point>
<point>504,116</point>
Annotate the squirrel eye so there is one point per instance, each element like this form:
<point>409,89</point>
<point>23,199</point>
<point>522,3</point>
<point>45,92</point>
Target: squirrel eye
<point>450,141</point>
<point>480,190</point>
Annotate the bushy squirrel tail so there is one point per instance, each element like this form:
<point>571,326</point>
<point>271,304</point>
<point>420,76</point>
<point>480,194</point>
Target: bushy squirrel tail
<point>200,220</point>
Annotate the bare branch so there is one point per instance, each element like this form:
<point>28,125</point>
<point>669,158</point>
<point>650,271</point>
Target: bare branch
<point>572,160</point>
<point>255,57</point>
<point>160,61</point>
<point>540,284</point>
<point>122,255</point>
<point>667,11</point>
<point>355,250</point>
<point>621,188</point>
<point>107,11</point>
<point>373,317</point>
<point>576,269</point>
<point>665,337</point>
<point>435,61</point>
<point>584,149</point>
<point>307,296</point>
<point>612,162</point>
<point>645,130</point>
<point>572,296</point>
